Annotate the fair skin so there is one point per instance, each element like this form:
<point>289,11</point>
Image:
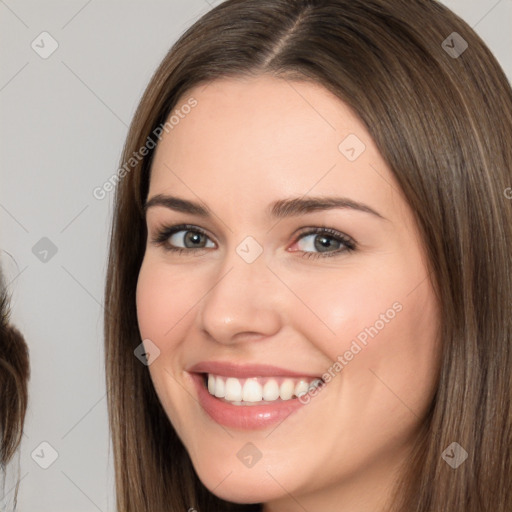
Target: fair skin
<point>248,143</point>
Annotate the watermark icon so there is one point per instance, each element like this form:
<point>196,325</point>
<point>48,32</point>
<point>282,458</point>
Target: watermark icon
<point>44,45</point>
<point>137,156</point>
<point>343,360</point>
<point>508,192</point>
<point>249,455</point>
<point>147,352</point>
<point>44,455</point>
<point>454,455</point>
<point>44,250</point>
<point>351,147</point>
<point>455,45</point>
<point>249,249</point>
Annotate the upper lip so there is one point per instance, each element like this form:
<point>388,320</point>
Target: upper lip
<point>229,369</point>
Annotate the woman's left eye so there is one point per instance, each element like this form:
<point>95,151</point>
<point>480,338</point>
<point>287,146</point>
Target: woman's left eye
<point>326,241</point>
<point>187,238</point>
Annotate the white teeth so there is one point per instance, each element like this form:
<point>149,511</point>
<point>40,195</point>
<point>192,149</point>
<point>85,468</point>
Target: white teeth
<point>233,390</point>
<point>270,390</point>
<point>301,388</point>
<point>251,390</point>
<point>286,390</point>
<point>220,388</point>
<point>211,384</point>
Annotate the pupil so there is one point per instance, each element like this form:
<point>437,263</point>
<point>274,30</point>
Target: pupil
<point>194,238</point>
<point>323,243</point>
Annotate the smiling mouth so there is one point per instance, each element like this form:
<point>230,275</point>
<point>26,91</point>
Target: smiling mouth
<point>258,390</point>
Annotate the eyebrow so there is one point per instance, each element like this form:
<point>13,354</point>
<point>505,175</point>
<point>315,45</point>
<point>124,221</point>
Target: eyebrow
<point>279,209</point>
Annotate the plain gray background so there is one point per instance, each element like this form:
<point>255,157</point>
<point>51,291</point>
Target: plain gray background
<point>64,119</point>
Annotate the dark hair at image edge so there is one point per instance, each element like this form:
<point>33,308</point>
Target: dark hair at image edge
<point>444,127</point>
<point>14,375</point>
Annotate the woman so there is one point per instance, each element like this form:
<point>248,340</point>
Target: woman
<point>14,374</point>
<point>309,283</point>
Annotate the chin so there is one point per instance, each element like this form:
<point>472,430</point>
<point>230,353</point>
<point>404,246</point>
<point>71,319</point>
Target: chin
<point>239,485</point>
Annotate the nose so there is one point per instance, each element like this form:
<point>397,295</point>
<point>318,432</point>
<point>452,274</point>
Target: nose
<point>243,303</point>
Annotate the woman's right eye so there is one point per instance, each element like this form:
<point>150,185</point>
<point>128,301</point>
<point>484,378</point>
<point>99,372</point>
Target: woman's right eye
<point>182,238</point>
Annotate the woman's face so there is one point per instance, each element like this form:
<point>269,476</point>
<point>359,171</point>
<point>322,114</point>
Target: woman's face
<point>258,305</point>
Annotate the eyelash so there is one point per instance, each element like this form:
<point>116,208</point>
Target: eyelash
<point>164,233</point>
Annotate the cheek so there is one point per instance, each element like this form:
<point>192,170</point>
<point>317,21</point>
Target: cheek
<point>163,297</point>
<point>380,332</point>
<point>346,303</point>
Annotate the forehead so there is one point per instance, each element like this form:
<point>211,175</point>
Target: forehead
<point>264,138</point>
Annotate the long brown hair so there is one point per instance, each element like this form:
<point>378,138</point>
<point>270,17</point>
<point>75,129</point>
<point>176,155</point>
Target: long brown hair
<point>439,108</point>
<point>14,375</point>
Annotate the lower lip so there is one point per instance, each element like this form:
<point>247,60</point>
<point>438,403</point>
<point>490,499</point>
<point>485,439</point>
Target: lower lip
<point>244,417</point>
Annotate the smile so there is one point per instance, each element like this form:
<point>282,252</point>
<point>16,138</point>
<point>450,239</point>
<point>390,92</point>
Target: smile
<point>249,397</point>
<point>258,390</point>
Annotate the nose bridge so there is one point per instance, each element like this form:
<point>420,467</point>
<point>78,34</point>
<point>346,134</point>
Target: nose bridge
<point>242,296</point>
